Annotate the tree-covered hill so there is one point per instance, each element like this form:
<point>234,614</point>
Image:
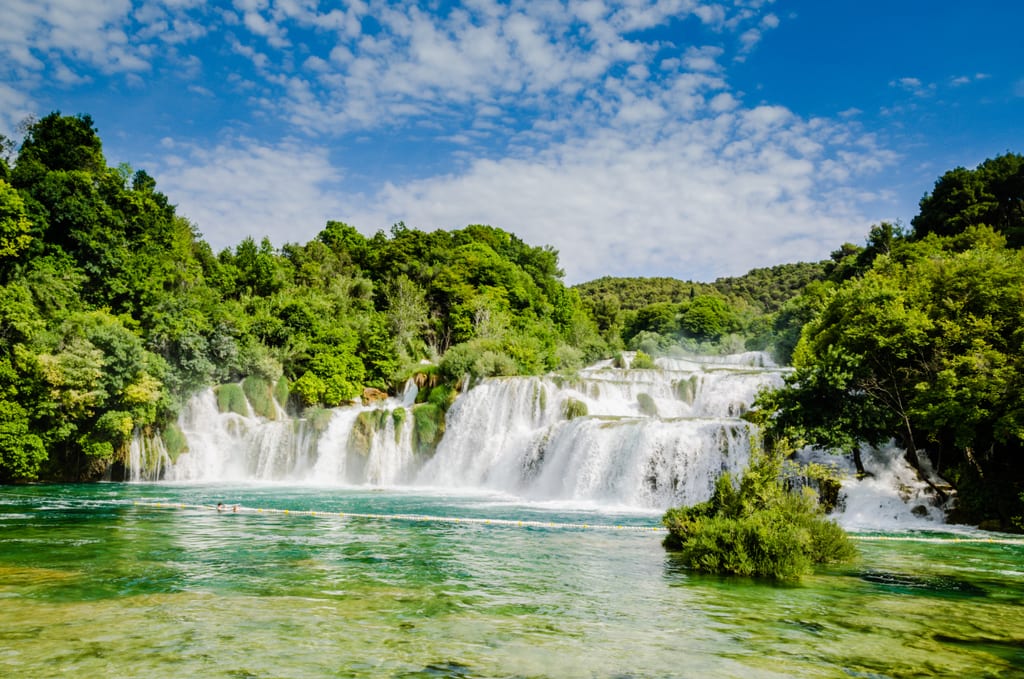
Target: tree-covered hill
<point>113,311</point>
<point>655,314</point>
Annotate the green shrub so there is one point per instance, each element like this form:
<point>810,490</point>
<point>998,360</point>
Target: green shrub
<point>567,358</point>
<point>642,361</point>
<point>442,396</point>
<point>494,364</point>
<point>282,391</point>
<point>338,391</point>
<point>309,389</point>
<point>261,396</point>
<point>573,408</point>
<point>231,399</point>
<point>174,439</point>
<point>759,529</point>
<point>647,405</point>
<point>428,428</point>
<point>367,423</point>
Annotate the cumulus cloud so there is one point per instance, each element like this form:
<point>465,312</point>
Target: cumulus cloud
<point>563,122</point>
<point>716,196</point>
<point>15,106</point>
<point>914,86</point>
<point>243,187</point>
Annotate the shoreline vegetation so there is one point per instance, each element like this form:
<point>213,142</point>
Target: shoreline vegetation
<point>114,311</point>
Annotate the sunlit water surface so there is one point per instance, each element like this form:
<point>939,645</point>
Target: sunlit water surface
<point>96,582</point>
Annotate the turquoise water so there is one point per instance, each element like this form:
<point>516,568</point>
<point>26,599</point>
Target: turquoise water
<point>97,581</point>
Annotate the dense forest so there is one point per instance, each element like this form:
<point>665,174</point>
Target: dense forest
<point>113,311</point>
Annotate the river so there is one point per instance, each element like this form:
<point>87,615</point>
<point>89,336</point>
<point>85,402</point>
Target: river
<point>150,580</point>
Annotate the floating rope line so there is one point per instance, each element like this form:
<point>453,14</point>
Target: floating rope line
<point>418,518</point>
<point>913,538</point>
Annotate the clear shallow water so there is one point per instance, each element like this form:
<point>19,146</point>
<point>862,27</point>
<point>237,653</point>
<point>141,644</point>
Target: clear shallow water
<point>95,582</point>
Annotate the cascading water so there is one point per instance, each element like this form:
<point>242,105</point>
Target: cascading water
<point>610,436</point>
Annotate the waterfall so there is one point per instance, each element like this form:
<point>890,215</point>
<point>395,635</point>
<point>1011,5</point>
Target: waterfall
<point>892,493</point>
<point>611,436</point>
<point>607,436</point>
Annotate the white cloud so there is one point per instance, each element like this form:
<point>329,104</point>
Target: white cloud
<point>914,86</point>
<point>756,185</point>
<point>243,187</point>
<point>15,106</point>
<point>90,32</point>
<point>703,58</point>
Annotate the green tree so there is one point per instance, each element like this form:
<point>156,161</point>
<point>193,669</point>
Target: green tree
<point>992,194</point>
<point>15,227</point>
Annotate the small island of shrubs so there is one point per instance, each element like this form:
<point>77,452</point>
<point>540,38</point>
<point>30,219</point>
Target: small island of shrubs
<point>760,529</point>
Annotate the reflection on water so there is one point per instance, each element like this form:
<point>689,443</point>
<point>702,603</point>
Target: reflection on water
<point>93,585</point>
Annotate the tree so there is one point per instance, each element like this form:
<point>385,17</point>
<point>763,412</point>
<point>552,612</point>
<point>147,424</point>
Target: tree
<point>58,143</point>
<point>992,194</point>
<point>924,348</point>
<point>15,227</point>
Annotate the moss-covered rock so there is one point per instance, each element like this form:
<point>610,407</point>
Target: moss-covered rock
<point>398,418</point>
<point>573,408</point>
<point>231,399</point>
<point>686,389</point>
<point>260,393</point>
<point>282,391</point>
<point>318,418</point>
<point>647,405</point>
<point>174,441</point>
<point>367,424</point>
<point>428,427</point>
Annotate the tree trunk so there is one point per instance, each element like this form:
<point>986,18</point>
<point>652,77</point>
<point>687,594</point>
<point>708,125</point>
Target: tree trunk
<point>915,462</point>
<point>859,463</point>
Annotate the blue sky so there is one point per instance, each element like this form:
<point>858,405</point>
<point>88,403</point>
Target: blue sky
<point>670,138</point>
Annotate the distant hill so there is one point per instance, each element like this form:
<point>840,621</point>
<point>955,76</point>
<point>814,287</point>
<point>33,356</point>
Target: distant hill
<point>764,289</point>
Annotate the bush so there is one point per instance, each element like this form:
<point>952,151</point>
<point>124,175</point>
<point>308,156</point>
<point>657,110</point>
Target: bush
<point>647,405</point>
<point>759,529</point>
<point>231,399</point>
<point>309,389</point>
<point>175,442</point>
<point>642,361</point>
<point>261,396</point>
<point>428,427</point>
<point>573,408</point>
